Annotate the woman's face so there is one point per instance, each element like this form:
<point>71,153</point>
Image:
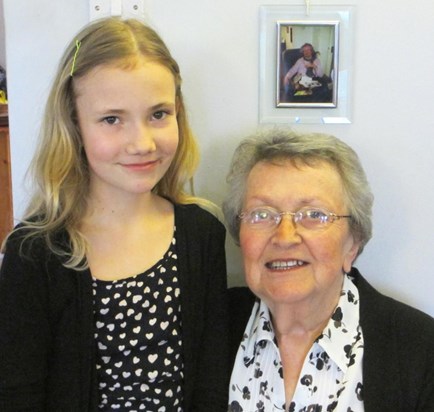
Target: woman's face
<point>307,52</point>
<point>287,264</point>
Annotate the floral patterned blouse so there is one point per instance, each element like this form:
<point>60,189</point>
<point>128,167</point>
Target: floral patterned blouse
<point>331,378</point>
<point>138,334</point>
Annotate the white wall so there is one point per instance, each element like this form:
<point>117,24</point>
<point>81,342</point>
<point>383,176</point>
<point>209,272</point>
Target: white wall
<point>2,38</point>
<point>216,44</point>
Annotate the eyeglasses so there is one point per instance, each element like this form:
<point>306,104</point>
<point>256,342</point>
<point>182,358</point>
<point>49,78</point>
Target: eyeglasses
<point>309,218</point>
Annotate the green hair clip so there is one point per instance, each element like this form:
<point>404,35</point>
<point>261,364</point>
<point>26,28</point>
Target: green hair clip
<point>77,48</point>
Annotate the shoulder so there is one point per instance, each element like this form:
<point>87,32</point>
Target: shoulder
<point>27,249</point>
<point>193,209</point>
<point>383,313</point>
<point>196,216</point>
<point>199,233</point>
<point>240,301</point>
<point>25,262</point>
<point>23,241</point>
<point>400,339</point>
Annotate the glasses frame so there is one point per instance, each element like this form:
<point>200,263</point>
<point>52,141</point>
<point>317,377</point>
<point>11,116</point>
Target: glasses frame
<point>278,216</point>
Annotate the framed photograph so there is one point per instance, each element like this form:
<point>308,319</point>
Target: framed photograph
<point>305,64</point>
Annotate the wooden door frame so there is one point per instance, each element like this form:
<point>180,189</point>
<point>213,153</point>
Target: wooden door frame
<point>6,211</point>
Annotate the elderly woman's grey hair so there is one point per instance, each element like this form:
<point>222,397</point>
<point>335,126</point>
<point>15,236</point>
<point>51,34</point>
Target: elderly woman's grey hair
<point>280,145</point>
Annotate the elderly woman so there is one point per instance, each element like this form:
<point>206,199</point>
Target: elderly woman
<point>309,64</point>
<point>319,337</point>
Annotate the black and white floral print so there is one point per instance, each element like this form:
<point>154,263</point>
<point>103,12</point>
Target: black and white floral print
<point>138,335</point>
<point>331,378</point>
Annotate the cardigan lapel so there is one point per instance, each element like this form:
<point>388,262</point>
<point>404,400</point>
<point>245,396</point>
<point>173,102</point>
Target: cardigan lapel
<point>380,365</point>
<point>188,260</point>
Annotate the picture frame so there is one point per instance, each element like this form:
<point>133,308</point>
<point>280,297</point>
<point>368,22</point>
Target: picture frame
<point>329,26</point>
<point>307,63</point>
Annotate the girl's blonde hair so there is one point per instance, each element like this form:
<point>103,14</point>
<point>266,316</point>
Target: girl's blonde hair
<point>59,167</point>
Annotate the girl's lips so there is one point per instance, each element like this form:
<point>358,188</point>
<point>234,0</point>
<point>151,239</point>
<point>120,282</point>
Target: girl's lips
<point>284,264</point>
<point>140,166</point>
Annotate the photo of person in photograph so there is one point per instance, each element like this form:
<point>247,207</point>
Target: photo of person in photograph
<point>306,71</point>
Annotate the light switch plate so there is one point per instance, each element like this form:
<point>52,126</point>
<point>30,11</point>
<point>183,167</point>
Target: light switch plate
<point>99,9</point>
<point>133,9</point>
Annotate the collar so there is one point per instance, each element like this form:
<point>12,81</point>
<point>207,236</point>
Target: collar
<point>343,331</point>
<point>338,338</point>
<point>258,332</point>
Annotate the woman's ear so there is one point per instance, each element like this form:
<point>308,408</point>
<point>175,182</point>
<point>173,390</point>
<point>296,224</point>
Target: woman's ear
<point>350,256</point>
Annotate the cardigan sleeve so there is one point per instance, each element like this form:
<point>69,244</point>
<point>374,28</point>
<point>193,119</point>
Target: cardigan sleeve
<point>424,346</point>
<point>413,338</point>
<point>398,360</point>
<point>204,311</point>
<point>240,300</point>
<point>24,331</point>
<point>213,376</point>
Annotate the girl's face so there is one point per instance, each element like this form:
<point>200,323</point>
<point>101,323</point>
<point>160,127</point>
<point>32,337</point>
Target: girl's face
<point>127,119</point>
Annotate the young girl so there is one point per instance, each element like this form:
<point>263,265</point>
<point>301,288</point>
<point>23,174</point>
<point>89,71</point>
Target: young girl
<point>112,288</point>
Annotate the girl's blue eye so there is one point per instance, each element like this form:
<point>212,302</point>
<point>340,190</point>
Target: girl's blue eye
<point>160,115</point>
<point>111,120</point>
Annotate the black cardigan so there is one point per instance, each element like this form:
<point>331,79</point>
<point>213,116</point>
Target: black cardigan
<point>47,348</point>
<point>398,360</point>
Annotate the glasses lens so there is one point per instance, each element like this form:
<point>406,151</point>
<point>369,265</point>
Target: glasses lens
<point>261,217</point>
<point>312,218</point>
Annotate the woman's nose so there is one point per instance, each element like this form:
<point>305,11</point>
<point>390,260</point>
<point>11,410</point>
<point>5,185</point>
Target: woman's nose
<point>286,234</point>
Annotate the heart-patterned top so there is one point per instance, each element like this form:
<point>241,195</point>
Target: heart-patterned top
<point>138,335</point>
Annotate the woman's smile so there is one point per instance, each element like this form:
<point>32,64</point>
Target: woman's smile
<point>281,265</point>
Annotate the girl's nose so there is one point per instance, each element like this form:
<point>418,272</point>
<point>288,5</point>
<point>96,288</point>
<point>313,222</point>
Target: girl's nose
<point>141,140</point>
